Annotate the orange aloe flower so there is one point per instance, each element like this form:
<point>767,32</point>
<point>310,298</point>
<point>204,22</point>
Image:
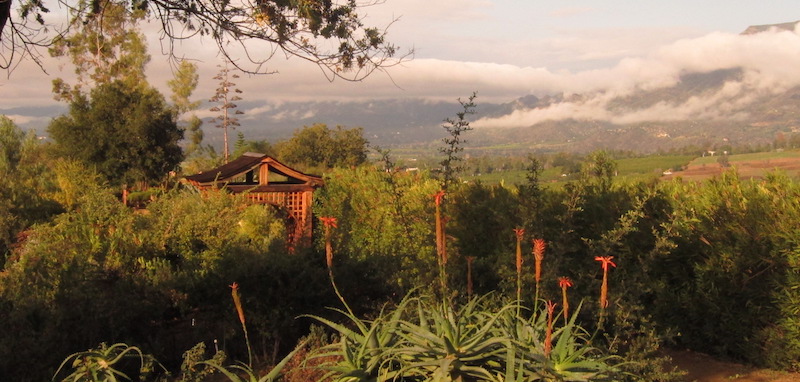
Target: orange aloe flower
<point>564,283</point>
<point>438,197</point>
<point>605,261</point>
<point>548,337</point>
<point>329,222</point>
<point>538,255</point>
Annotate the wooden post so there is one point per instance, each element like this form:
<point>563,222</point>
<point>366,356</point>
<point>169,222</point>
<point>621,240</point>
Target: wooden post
<point>263,174</point>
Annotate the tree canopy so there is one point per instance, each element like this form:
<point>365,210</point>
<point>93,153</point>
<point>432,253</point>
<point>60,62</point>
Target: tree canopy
<point>331,34</point>
<point>319,146</point>
<point>128,133</point>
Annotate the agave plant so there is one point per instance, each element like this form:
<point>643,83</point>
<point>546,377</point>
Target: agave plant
<point>103,363</point>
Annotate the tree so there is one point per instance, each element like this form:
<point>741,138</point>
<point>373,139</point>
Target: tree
<point>182,86</point>
<point>225,94</point>
<point>454,142</point>
<point>330,34</point>
<point>243,145</point>
<point>128,134</point>
<point>599,169</point>
<point>104,46</point>
<point>319,146</point>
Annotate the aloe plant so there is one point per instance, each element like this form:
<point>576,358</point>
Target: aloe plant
<point>366,352</point>
<point>234,372</point>
<point>102,363</point>
<point>423,339</point>
<point>572,357</point>
<point>449,344</point>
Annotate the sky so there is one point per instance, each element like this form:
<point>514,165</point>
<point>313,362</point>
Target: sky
<point>502,50</point>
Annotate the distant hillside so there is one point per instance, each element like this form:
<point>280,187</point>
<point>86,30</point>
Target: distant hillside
<point>763,28</point>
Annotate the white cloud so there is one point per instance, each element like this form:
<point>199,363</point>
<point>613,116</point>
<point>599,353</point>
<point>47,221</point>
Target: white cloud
<point>26,119</point>
<point>499,64</point>
<point>769,61</point>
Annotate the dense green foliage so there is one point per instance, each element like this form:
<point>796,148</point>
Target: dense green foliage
<point>26,184</point>
<point>319,147</point>
<point>731,281</point>
<point>102,272</point>
<point>127,133</point>
<point>706,260</point>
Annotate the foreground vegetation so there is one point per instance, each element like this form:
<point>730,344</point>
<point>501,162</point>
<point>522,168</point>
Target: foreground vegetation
<point>489,271</point>
<point>708,266</point>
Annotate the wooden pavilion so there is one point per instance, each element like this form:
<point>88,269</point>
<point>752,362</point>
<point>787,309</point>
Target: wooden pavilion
<point>264,180</point>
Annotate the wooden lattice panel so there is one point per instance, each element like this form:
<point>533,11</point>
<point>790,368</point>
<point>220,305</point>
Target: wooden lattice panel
<point>297,203</point>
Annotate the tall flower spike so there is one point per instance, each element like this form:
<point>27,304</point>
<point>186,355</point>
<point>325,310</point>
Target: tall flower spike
<point>441,244</point>
<point>470,260</point>
<point>564,283</point>
<point>519,233</point>
<point>538,255</point>
<point>441,241</point>
<point>237,301</point>
<point>605,262</point>
<point>329,222</point>
<point>548,337</point>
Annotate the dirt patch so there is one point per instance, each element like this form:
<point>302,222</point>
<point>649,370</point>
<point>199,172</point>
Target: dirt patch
<point>746,169</point>
<point>703,368</point>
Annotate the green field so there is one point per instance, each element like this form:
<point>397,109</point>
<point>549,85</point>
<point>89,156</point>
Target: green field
<point>630,169</point>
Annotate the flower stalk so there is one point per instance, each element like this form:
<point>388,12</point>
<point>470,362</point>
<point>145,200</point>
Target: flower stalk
<point>605,262</point>
<point>564,283</point>
<point>237,302</point>
<point>331,222</point>
<point>441,242</point>
<point>470,260</point>
<point>519,233</point>
<point>548,336</point>
<point>538,255</point>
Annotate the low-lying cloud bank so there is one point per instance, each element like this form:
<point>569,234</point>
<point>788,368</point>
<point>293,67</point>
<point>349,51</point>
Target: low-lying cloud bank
<point>769,63</point>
